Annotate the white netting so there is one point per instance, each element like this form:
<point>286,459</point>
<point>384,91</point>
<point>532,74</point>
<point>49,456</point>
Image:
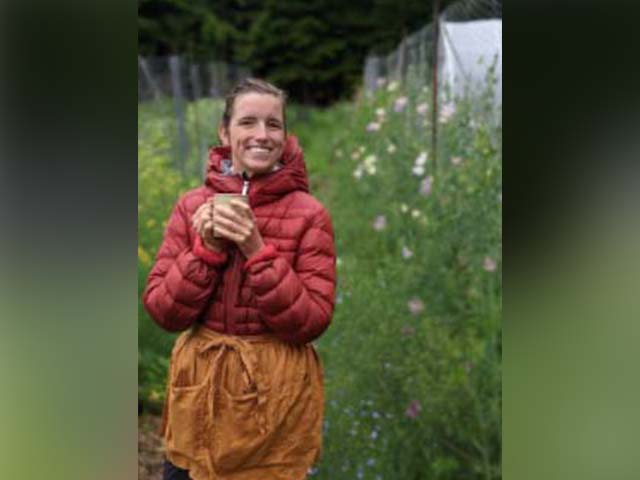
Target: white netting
<point>470,49</point>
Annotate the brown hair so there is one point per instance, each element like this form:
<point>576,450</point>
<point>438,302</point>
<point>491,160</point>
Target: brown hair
<point>252,85</point>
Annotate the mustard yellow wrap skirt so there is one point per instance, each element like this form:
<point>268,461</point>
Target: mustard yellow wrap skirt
<point>243,407</point>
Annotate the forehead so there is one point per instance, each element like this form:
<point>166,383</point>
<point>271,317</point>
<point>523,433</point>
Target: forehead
<point>257,105</point>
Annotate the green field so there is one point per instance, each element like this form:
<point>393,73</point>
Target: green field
<point>413,356</point>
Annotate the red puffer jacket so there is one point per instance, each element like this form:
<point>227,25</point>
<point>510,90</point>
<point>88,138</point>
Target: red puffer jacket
<point>287,288</point>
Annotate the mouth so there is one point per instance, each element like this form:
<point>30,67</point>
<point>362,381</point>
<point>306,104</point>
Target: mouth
<point>259,149</point>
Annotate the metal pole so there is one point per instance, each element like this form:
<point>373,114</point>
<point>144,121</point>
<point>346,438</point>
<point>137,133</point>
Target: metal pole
<point>434,84</point>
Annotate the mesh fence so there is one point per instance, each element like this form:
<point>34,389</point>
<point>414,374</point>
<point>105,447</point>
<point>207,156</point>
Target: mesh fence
<point>188,96</point>
<point>469,54</point>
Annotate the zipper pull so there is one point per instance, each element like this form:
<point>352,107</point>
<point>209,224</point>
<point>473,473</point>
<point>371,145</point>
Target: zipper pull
<point>245,184</point>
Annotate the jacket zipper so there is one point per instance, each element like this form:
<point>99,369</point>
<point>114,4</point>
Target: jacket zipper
<point>229,299</point>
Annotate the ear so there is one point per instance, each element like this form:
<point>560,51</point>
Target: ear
<point>223,135</point>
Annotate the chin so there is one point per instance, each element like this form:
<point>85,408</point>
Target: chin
<point>259,167</point>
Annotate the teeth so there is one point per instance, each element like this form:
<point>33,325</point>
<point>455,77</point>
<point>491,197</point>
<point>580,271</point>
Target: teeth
<point>259,149</point>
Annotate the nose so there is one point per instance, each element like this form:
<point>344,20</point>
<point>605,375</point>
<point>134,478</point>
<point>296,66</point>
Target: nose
<point>261,131</point>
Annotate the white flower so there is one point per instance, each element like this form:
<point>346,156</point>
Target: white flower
<point>456,160</point>
<point>415,213</point>
<point>406,253</point>
<point>357,173</point>
<point>391,148</point>
<point>370,160</point>
<point>371,169</point>
<point>421,159</point>
<point>422,109</point>
<point>418,170</point>
<point>380,112</point>
<point>361,148</point>
<point>393,86</point>
<point>399,104</point>
<point>404,208</point>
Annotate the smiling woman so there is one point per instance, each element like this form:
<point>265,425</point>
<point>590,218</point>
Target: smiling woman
<point>252,283</point>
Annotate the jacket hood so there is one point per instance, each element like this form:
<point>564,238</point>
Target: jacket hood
<point>263,188</point>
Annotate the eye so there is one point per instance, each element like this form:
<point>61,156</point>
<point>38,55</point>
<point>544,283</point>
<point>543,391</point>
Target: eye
<point>275,125</point>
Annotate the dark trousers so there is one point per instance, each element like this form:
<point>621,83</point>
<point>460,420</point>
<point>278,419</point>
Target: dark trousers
<point>171,472</point>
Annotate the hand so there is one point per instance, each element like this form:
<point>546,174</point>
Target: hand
<point>237,223</point>
<point>202,221</point>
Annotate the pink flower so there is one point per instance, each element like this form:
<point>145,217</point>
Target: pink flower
<point>413,409</point>
<point>425,186</point>
<point>446,112</point>
<point>489,264</point>
<point>380,223</point>
<point>373,127</point>
<point>415,306</point>
<point>422,109</point>
<point>399,104</point>
<point>406,253</point>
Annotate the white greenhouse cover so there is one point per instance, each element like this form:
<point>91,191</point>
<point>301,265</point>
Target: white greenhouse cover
<point>468,50</point>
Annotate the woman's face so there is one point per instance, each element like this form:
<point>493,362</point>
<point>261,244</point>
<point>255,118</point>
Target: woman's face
<point>256,132</point>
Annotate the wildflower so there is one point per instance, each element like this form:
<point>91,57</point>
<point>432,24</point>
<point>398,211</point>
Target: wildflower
<point>373,127</point>
<point>415,306</point>
<point>338,261</point>
<point>418,170</point>
<point>375,415</point>
<point>404,208</point>
<point>413,409</point>
<point>456,161</point>
<point>371,169</point>
<point>408,330</point>
<point>489,264</point>
<point>422,158</point>
<point>380,223</point>
<point>393,86</point>
<point>446,112</point>
<point>357,173</point>
<point>406,253</point>
<point>355,155</point>
<point>374,435</point>
<point>371,462</point>
<point>391,148</point>
<point>422,109</point>
<point>339,153</point>
<point>380,112</point>
<point>362,148</point>
<point>380,81</point>
<point>425,186</point>
<point>370,160</point>
<point>399,104</point>
<point>415,213</point>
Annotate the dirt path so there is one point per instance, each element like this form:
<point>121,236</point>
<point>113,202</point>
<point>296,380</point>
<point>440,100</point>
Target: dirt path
<point>150,454</point>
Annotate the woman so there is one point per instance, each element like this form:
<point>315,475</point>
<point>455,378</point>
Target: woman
<point>253,284</point>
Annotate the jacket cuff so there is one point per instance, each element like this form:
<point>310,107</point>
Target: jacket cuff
<point>267,252</point>
<point>215,259</point>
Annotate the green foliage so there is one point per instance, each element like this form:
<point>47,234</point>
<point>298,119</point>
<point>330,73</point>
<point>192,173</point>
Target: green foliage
<point>412,358</point>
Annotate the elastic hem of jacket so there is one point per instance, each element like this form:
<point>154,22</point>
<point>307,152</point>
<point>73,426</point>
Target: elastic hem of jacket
<point>268,252</point>
<point>215,259</point>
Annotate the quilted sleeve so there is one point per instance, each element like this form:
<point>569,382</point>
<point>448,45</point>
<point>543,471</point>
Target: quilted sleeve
<point>297,301</point>
<point>183,276</point>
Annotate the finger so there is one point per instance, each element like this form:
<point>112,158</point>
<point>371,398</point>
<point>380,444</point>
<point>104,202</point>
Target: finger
<point>229,235</point>
<point>241,207</point>
<point>238,228</point>
<point>227,212</point>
